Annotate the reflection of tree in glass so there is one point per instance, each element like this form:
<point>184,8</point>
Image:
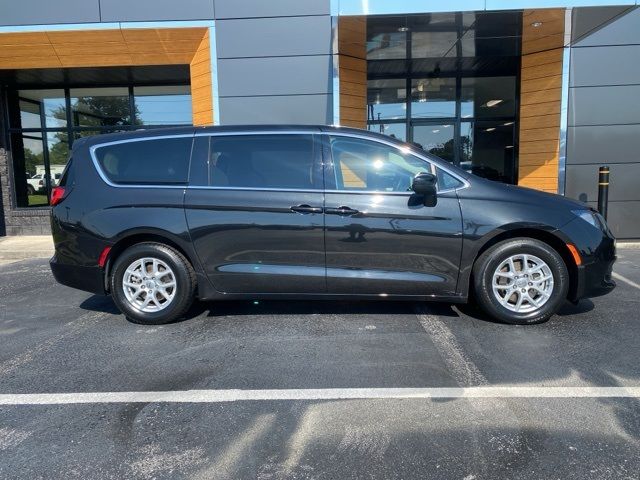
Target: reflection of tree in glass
<point>89,112</point>
<point>31,160</point>
<point>446,150</point>
<point>103,112</point>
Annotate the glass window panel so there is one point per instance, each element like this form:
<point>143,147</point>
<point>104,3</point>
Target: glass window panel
<point>436,139</point>
<point>486,97</point>
<point>387,45</point>
<point>487,150</point>
<point>370,166</point>
<point>100,107</point>
<point>37,103</point>
<point>58,145</point>
<point>262,161</point>
<point>29,169</point>
<point>395,130</point>
<point>387,99</point>
<point>435,44</point>
<point>154,162</point>
<point>433,98</point>
<point>170,105</point>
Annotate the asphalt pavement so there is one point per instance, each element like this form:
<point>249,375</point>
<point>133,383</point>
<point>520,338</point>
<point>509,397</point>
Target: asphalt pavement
<point>55,340</point>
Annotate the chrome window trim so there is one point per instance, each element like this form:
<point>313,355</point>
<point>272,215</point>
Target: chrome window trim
<point>105,179</point>
<point>257,189</point>
<point>408,149</point>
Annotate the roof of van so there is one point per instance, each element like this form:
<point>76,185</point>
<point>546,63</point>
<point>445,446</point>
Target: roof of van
<point>170,131</point>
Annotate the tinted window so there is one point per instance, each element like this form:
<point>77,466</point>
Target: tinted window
<point>372,166</point>
<point>262,161</point>
<point>158,161</point>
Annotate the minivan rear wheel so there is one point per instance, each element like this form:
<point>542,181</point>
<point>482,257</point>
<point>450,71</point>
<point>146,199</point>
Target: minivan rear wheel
<point>152,284</point>
<point>521,281</point>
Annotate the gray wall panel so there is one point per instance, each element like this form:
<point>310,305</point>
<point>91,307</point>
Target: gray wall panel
<point>270,8</point>
<point>151,10</point>
<point>277,37</point>
<point>274,76</point>
<point>582,182</point>
<point>621,31</point>
<point>603,144</point>
<point>605,66</point>
<point>623,219</point>
<point>587,20</point>
<point>604,105</point>
<point>604,115</point>
<point>34,12</point>
<point>296,109</point>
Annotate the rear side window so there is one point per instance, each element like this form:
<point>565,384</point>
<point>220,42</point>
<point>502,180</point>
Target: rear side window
<point>162,161</point>
<point>261,161</point>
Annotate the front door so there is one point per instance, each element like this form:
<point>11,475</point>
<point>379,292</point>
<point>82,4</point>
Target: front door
<point>380,237</point>
<point>254,210</point>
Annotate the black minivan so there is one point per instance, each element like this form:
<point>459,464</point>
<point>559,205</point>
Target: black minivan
<point>156,218</point>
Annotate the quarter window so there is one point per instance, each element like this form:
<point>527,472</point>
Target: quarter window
<point>163,161</point>
<point>262,161</point>
<point>362,165</point>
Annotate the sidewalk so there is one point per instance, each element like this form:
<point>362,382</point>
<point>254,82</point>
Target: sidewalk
<point>41,246</point>
<point>25,247</point>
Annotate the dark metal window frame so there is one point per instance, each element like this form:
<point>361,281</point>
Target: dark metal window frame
<point>456,120</point>
<point>70,129</point>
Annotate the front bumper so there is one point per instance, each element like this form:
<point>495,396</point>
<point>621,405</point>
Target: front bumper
<point>89,279</point>
<point>594,280</point>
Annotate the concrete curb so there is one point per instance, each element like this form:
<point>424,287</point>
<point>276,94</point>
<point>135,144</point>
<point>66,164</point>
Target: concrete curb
<point>26,247</point>
<point>627,245</point>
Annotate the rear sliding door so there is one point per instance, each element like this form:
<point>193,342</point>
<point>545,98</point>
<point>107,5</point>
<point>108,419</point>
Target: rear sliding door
<point>254,210</point>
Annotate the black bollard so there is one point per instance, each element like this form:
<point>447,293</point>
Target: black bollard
<point>603,190</point>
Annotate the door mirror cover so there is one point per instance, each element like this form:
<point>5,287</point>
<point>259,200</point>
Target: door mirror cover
<point>425,184</point>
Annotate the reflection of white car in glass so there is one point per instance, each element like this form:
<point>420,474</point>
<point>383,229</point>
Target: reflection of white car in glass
<point>37,184</point>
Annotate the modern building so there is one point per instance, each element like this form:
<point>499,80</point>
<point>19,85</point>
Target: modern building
<point>538,93</point>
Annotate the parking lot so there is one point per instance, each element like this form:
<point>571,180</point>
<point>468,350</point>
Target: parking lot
<point>316,390</point>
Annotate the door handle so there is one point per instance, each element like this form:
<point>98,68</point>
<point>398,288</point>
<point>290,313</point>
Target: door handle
<point>306,209</point>
<point>345,211</point>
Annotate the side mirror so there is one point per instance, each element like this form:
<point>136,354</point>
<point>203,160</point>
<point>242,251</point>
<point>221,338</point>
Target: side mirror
<point>425,184</point>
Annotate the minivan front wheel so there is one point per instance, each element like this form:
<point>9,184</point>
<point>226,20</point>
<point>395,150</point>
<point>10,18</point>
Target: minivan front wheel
<point>521,281</point>
<point>152,284</point>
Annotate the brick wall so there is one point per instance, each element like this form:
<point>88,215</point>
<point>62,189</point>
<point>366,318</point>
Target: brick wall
<point>23,221</point>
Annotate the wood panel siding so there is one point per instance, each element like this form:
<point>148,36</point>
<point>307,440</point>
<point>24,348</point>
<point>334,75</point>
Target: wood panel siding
<point>118,47</point>
<point>352,66</point>
<point>540,98</point>
<point>201,91</point>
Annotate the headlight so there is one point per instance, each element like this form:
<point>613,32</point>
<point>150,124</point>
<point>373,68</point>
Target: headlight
<point>590,217</point>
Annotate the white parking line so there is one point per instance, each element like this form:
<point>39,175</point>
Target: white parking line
<point>220,396</point>
<point>625,280</point>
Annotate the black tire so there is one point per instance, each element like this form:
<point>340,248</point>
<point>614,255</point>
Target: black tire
<point>489,261</point>
<point>185,278</point>
<point>30,190</point>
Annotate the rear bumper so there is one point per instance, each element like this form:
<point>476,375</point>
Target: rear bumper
<point>89,279</point>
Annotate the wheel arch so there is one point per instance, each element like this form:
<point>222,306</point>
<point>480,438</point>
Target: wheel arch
<point>545,236</point>
<point>137,237</point>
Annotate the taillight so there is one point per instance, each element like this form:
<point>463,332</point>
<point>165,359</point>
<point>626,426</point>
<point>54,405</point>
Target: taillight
<point>57,195</point>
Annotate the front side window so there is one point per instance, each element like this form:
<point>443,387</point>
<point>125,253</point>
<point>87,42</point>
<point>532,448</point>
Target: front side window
<point>262,161</point>
<point>163,161</point>
<point>363,165</point>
